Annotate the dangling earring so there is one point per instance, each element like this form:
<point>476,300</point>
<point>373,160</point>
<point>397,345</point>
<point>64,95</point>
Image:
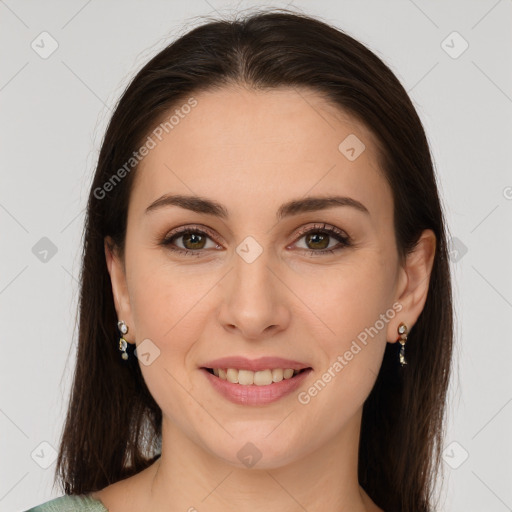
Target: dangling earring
<point>403,331</point>
<point>123,344</point>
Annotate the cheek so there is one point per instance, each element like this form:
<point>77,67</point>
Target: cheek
<point>348,298</point>
<point>161,293</point>
<point>169,306</point>
<point>352,356</point>
<point>354,303</point>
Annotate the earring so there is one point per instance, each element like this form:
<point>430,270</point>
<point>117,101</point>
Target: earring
<point>403,331</point>
<point>123,344</point>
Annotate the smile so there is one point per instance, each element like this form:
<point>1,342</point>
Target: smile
<point>259,378</point>
<point>246,387</point>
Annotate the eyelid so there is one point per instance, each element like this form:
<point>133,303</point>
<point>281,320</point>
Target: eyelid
<point>192,227</point>
<point>322,226</point>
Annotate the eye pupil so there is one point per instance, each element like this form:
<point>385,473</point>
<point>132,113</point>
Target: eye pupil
<point>318,238</point>
<point>194,238</point>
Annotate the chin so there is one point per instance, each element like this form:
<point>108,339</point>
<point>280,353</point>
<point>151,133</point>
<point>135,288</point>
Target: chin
<point>257,450</point>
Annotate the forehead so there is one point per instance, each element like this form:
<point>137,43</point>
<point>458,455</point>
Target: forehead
<point>253,149</point>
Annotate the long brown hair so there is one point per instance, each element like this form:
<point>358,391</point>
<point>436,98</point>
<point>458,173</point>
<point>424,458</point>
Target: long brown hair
<point>113,425</point>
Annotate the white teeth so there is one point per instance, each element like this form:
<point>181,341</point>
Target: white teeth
<point>263,378</point>
<point>288,374</point>
<point>232,375</point>
<point>277,375</point>
<point>259,378</point>
<point>245,377</point>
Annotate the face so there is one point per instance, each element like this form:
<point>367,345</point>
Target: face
<point>314,283</point>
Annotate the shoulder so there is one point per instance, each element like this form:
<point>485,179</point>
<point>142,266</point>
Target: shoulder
<point>70,503</point>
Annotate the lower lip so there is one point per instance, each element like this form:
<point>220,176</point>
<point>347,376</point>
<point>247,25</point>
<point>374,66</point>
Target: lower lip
<point>255,395</point>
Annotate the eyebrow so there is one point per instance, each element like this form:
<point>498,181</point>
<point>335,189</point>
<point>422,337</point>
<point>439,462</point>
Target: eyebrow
<point>210,207</point>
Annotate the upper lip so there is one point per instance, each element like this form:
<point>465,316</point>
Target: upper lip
<point>255,365</point>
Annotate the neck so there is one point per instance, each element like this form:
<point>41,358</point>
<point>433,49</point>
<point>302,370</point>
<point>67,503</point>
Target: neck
<point>187,477</point>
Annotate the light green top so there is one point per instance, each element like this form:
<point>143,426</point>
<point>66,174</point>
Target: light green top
<point>71,503</point>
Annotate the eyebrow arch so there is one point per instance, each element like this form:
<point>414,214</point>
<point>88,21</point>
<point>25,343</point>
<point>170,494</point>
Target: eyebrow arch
<point>207,206</point>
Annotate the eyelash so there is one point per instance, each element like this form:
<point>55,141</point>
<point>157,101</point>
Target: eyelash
<point>332,231</point>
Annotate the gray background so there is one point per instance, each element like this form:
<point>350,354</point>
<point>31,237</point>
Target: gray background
<point>54,113</point>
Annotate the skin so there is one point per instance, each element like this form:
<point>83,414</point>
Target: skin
<point>251,151</point>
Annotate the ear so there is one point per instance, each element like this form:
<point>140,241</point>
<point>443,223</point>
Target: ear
<point>117,273</point>
<point>414,280</point>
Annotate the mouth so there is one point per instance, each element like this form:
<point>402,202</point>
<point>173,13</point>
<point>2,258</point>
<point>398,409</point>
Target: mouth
<point>255,388</point>
<point>265,377</point>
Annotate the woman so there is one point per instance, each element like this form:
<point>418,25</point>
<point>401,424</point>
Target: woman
<point>265,312</point>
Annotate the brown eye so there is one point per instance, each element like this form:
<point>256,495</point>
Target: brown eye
<point>190,241</point>
<point>193,240</point>
<point>318,239</point>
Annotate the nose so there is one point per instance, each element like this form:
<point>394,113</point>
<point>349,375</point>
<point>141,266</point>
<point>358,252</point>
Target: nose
<point>254,301</point>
